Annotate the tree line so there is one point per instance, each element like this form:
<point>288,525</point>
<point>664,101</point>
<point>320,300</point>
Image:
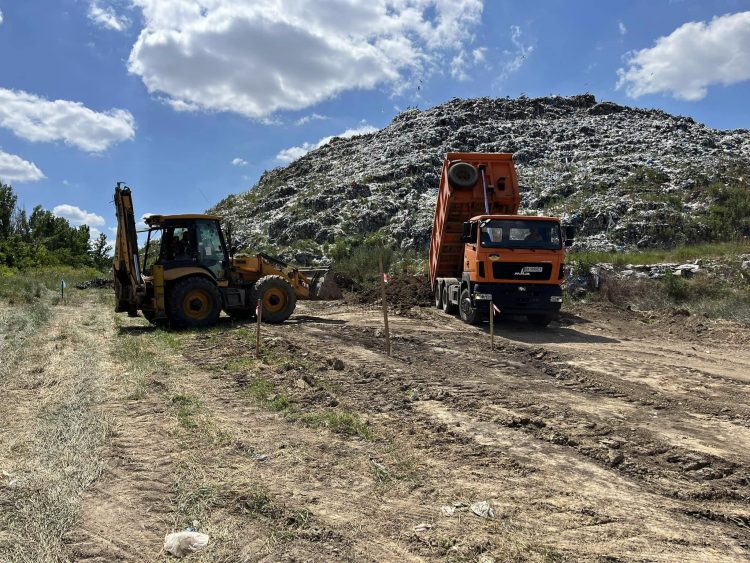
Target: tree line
<point>42,239</point>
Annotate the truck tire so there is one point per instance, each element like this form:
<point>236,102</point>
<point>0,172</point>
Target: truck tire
<point>463,174</point>
<point>438,296</point>
<point>540,320</point>
<point>278,297</point>
<point>468,312</point>
<point>448,307</point>
<point>193,302</point>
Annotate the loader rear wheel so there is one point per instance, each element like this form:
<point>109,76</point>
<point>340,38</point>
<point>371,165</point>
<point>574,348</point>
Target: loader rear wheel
<point>466,309</point>
<point>194,302</point>
<point>278,297</point>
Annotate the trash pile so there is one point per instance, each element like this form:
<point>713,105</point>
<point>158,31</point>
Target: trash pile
<point>95,283</point>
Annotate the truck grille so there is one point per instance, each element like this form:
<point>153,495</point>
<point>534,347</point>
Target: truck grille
<point>521,271</point>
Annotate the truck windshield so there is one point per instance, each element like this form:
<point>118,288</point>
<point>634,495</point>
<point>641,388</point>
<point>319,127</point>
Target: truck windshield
<point>498,233</point>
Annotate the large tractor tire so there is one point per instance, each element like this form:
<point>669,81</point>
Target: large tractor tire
<point>278,297</point>
<point>193,302</point>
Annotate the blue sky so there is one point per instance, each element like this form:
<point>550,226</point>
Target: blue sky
<point>191,100</point>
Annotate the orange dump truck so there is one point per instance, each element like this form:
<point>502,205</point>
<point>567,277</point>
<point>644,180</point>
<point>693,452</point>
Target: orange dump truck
<point>482,253</point>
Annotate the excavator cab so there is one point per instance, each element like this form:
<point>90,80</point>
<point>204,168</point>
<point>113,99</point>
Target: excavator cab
<point>185,242</point>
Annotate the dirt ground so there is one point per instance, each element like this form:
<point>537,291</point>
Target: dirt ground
<point>611,436</point>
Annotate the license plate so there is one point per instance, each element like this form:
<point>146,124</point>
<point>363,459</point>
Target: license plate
<point>532,269</point>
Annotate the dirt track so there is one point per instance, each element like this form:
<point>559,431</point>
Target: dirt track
<point>617,436</point>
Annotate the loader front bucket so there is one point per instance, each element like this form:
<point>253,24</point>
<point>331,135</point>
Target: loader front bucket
<point>323,284</point>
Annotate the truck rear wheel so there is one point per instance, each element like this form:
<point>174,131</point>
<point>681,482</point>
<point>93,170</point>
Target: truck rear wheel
<point>194,302</point>
<point>448,307</point>
<point>278,297</point>
<point>438,296</point>
<point>466,309</point>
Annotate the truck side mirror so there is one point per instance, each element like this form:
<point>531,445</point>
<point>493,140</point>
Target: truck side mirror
<point>469,233</point>
<point>570,235</point>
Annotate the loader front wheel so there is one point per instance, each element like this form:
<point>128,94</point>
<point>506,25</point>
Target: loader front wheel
<point>194,302</point>
<point>277,296</point>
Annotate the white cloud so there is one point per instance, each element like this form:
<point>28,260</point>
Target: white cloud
<point>35,118</point>
<point>521,53</point>
<point>239,162</point>
<point>1,17</point>
<point>308,118</point>
<point>621,28</point>
<point>293,153</point>
<point>15,169</point>
<point>479,54</point>
<point>691,58</point>
<point>106,16</point>
<point>77,216</point>
<point>256,58</point>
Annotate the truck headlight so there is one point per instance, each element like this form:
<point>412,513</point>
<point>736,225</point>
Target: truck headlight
<point>555,299</point>
<point>482,297</point>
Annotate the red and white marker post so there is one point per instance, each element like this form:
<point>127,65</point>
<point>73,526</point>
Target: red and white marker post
<point>493,310</point>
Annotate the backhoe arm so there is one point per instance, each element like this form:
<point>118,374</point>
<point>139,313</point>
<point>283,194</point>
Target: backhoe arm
<point>127,269</point>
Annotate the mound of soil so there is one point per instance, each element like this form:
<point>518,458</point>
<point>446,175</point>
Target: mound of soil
<point>403,291</point>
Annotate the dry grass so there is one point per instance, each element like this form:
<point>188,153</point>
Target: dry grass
<point>51,447</point>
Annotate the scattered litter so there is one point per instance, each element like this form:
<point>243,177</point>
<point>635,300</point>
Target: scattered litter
<point>448,510</point>
<point>95,283</point>
<point>422,527</point>
<point>181,544</point>
<point>260,457</point>
<point>482,509</point>
<point>486,559</point>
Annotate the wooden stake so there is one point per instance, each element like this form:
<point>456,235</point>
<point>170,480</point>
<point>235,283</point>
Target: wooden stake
<point>259,315</point>
<point>492,326</point>
<point>385,308</point>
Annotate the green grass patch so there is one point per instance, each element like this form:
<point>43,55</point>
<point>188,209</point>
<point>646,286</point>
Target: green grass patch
<point>264,391</point>
<point>340,421</point>
<point>654,256</point>
<point>187,407</point>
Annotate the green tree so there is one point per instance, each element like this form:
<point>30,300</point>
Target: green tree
<point>8,201</point>
<point>100,252</point>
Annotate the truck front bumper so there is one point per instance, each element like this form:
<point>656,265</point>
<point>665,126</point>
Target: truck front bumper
<point>519,299</point>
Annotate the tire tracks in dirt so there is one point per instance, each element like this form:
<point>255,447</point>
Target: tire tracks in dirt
<point>539,393</point>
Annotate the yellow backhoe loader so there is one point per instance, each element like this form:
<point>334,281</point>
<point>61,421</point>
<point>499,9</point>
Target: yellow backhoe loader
<point>185,275</point>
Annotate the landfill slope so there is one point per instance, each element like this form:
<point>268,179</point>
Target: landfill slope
<point>624,176</point>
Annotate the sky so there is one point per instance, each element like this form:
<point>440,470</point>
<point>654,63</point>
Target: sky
<point>191,100</point>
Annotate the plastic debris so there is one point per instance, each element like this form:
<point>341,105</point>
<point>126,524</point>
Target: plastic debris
<point>181,544</point>
<point>483,509</point>
<point>423,527</point>
<point>448,510</point>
